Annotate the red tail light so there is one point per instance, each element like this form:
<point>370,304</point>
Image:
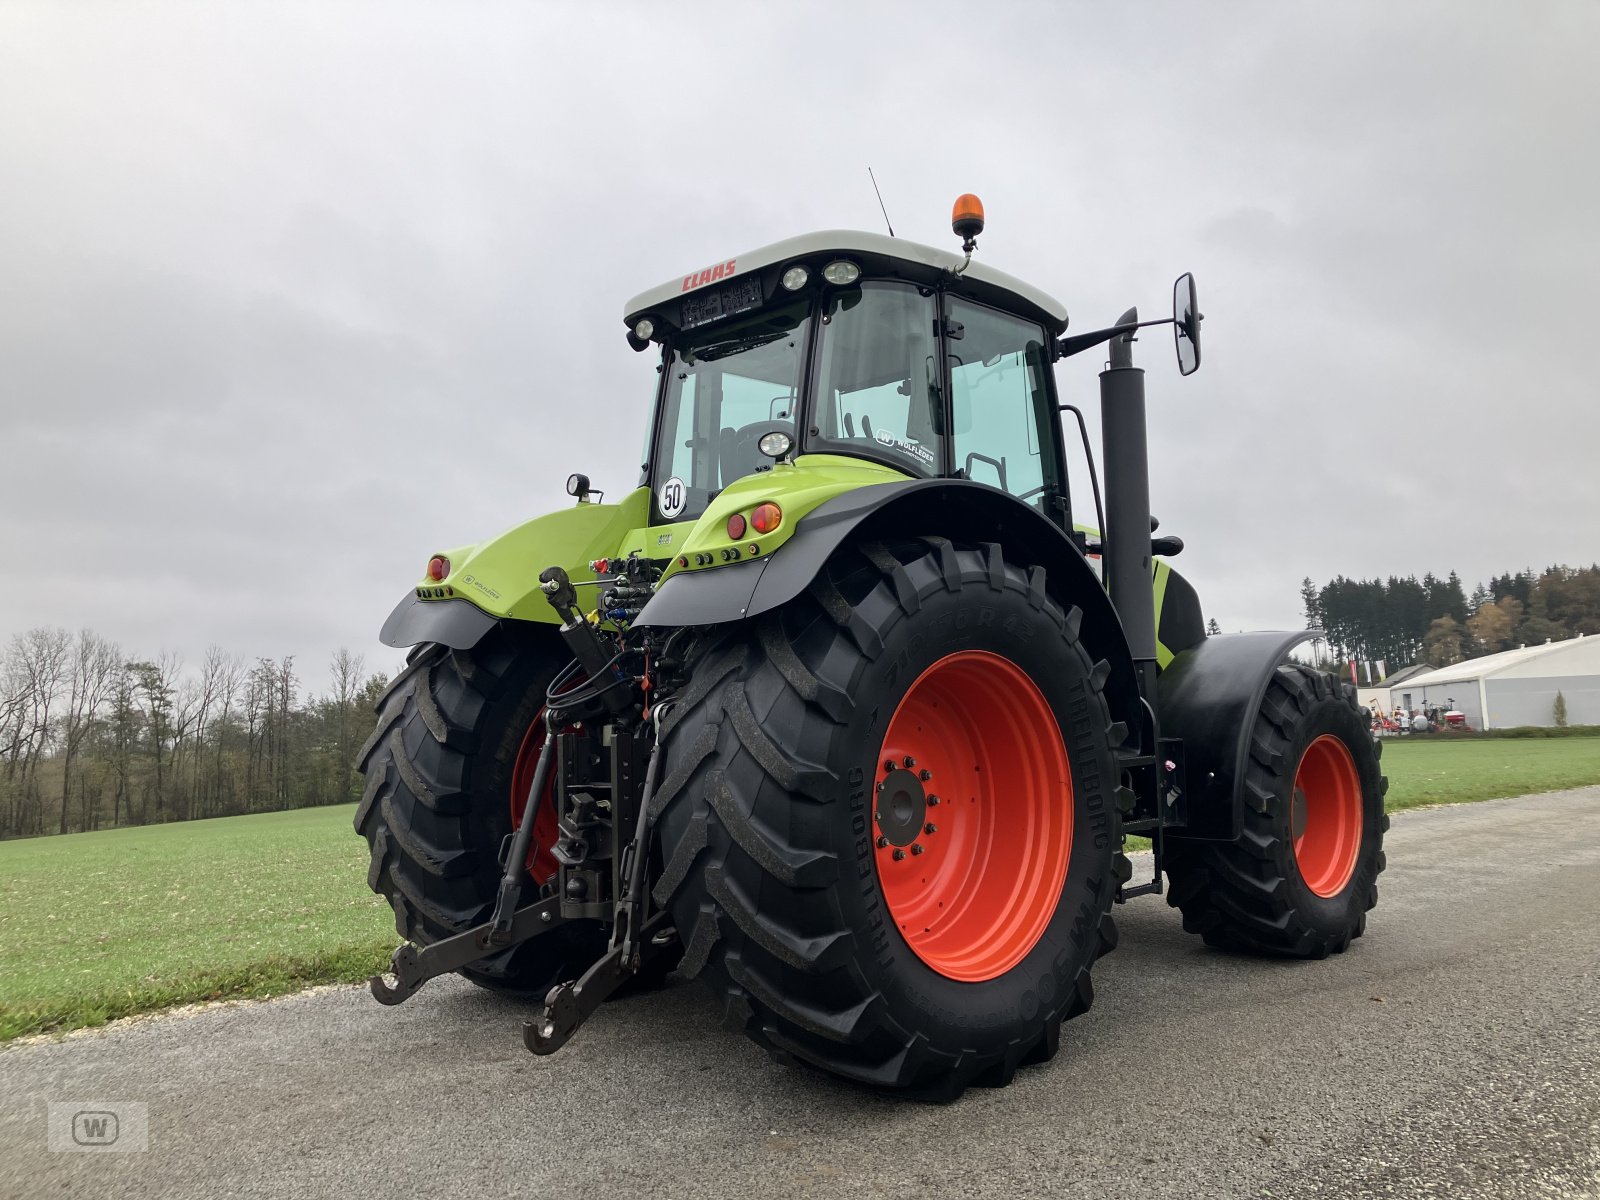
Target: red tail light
<point>735,527</point>
<point>766,517</point>
<point>438,567</point>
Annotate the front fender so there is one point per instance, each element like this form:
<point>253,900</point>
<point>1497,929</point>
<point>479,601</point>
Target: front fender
<point>1209,696</point>
<point>453,623</point>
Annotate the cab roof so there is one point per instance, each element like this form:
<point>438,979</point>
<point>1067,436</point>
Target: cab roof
<point>878,257</point>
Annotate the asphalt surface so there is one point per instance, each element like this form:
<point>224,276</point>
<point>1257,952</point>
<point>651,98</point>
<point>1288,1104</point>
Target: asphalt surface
<point>1453,1051</point>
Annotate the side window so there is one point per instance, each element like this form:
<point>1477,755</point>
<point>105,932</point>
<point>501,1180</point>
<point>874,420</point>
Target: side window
<point>1002,421</point>
<point>877,379</point>
<point>724,388</point>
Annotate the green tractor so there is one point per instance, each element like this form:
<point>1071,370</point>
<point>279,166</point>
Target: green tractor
<point>838,710</point>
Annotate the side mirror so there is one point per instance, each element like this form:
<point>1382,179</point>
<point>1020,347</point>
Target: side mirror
<point>1186,318</point>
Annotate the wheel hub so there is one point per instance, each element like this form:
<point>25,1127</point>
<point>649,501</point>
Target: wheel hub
<point>902,805</point>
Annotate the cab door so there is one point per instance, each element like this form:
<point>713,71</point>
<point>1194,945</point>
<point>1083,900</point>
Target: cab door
<point>1004,428</point>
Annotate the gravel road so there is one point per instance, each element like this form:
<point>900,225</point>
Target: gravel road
<point>1454,1051</point>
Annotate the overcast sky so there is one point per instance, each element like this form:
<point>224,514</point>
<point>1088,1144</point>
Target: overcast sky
<point>291,296</point>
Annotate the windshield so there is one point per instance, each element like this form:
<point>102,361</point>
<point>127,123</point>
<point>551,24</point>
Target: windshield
<point>725,388</point>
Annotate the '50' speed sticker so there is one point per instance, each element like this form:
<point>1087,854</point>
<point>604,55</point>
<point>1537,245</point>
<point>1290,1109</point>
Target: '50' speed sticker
<point>672,497</point>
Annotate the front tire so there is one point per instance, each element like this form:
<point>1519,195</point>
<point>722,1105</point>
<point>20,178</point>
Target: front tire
<point>843,917</point>
<point>1302,876</point>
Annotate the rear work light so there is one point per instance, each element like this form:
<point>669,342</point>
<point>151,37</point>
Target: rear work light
<point>766,517</point>
<point>438,567</point>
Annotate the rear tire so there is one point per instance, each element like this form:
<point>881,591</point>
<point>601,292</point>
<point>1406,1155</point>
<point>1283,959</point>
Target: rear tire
<point>437,802</point>
<point>778,865</point>
<point>1303,874</point>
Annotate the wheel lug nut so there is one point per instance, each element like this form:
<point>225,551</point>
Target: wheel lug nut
<point>926,774</point>
<point>877,816</point>
<point>899,854</point>
<point>916,848</point>
<point>932,801</point>
<point>930,827</point>
<point>910,762</point>
<point>883,784</point>
<point>889,764</point>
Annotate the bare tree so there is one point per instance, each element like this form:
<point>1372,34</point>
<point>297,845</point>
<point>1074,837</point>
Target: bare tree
<point>88,737</point>
<point>208,696</point>
<point>228,684</point>
<point>124,716</point>
<point>286,695</point>
<point>259,692</point>
<point>154,695</point>
<point>93,663</point>
<point>346,670</point>
<point>40,660</point>
<point>13,729</point>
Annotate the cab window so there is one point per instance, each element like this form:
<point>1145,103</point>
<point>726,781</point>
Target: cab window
<point>877,390</point>
<point>725,387</point>
<point>1003,422</point>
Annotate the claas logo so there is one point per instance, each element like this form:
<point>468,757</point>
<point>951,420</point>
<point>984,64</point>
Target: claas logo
<point>709,275</point>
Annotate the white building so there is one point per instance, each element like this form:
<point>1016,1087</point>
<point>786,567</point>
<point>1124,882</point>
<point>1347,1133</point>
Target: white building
<point>1380,697</point>
<point>1514,687</point>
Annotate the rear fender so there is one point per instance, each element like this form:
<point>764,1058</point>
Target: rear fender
<point>1209,696</point>
<point>499,579</point>
<point>958,509</point>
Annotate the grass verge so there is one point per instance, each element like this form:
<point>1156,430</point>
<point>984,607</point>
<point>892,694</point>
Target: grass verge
<point>1439,770</point>
<point>95,926</point>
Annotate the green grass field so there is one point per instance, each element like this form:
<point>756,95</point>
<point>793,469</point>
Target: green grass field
<point>1439,771</point>
<point>100,925</point>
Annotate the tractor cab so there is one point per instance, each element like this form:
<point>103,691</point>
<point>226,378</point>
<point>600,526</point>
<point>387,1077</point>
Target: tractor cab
<point>849,344</point>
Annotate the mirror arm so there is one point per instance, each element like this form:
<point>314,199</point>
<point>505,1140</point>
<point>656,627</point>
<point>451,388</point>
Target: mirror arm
<point>1068,346</point>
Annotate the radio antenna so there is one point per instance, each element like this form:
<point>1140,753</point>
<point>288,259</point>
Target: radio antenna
<point>879,194</point>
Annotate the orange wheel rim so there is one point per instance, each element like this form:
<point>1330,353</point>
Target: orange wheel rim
<point>972,816</point>
<point>1325,815</point>
<point>541,863</point>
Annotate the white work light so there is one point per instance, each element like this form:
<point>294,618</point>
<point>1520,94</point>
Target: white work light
<point>775,444</point>
<point>841,272</point>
